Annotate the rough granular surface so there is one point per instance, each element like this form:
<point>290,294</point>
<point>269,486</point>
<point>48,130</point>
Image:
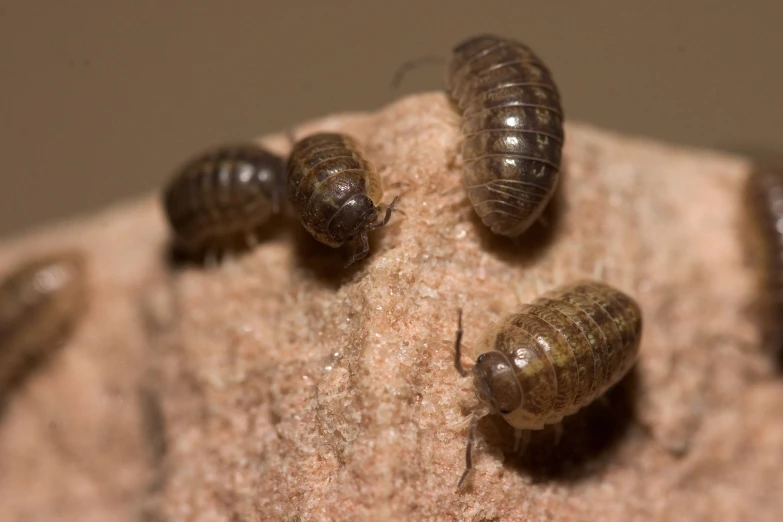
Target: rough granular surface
<point>290,388</point>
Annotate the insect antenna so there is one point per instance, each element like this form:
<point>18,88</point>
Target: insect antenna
<point>469,449</point>
<point>458,347</point>
<point>414,64</point>
<point>386,217</point>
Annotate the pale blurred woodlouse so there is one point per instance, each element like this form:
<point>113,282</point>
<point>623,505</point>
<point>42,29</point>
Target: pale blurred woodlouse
<point>336,191</point>
<point>222,197</point>
<point>41,301</point>
<point>552,357</point>
<point>766,205</point>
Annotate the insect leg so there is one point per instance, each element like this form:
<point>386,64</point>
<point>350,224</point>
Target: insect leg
<point>521,441</point>
<point>458,347</point>
<point>363,253</point>
<point>558,432</point>
<point>469,449</point>
<point>386,217</point>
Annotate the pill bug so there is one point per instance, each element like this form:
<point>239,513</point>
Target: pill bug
<point>512,125</point>
<point>765,199</point>
<point>336,191</point>
<point>40,303</point>
<point>553,356</point>
<point>221,198</point>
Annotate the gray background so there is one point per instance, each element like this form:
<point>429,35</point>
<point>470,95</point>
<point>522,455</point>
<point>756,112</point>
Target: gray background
<point>102,100</point>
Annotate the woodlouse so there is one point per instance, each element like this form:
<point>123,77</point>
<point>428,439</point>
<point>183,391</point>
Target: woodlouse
<point>512,123</point>
<point>336,191</point>
<point>40,302</point>
<point>223,196</point>
<point>553,356</point>
<point>766,205</point>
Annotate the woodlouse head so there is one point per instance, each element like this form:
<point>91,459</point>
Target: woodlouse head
<point>495,380</point>
<point>354,217</point>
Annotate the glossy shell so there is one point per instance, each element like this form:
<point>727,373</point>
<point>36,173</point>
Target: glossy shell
<point>40,303</point>
<point>512,122</point>
<point>334,189</point>
<point>224,196</point>
<point>558,353</point>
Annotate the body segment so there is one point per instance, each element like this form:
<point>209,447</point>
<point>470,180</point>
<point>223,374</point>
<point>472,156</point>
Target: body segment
<point>335,190</point>
<point>512,123</point>
<point>40,303</point>
<point>224,196</point>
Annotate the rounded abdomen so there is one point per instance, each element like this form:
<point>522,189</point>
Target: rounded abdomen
<point>512,122</point>
<point>567,348</point>
<point>325,171</point>
<point>223,196</point>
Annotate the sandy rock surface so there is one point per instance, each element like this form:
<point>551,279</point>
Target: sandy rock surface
<point>279,386</point>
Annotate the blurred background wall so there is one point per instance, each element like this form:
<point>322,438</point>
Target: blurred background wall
<point>101,100</point>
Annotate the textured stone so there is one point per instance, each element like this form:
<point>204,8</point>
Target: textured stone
<point>293,389</point>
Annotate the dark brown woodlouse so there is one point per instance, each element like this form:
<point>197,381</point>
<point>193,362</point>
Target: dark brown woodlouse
<point>553,356</point>
<point>41,301</point>
<point>336,191</point>
<point>512,123</point>
<point>222,197</point>
<point>765,203</point>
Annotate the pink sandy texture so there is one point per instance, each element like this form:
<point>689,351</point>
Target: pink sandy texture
<point>280,386</point>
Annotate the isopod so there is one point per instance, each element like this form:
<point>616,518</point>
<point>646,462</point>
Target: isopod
<point>553,356</point>
<point>336,191</point>
<point>512,125</point>
<point>766,206</point>
<point>41,301</point>
<point>223,196</point>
